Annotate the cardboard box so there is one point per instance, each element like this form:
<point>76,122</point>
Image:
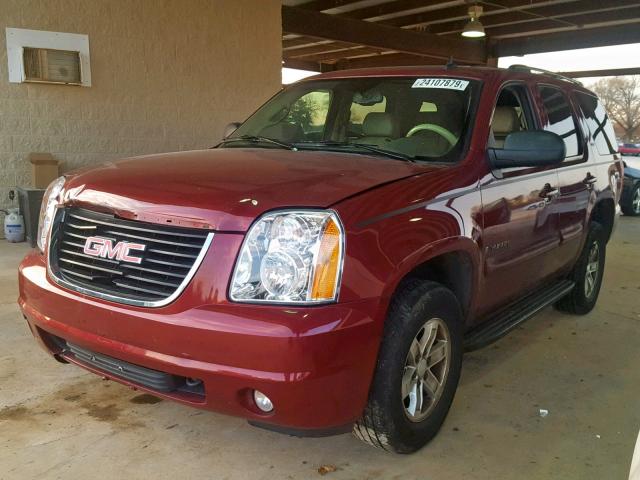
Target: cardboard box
<point>44,169</point>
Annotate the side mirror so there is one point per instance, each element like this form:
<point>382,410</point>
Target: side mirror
<point>533,148</point>
<point>230,128</point>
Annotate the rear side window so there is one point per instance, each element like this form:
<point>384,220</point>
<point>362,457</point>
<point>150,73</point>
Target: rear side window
<point>560,118</point>
<point>598,123</point>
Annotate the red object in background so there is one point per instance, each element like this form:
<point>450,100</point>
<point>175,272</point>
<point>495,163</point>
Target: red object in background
<point>629,149</point>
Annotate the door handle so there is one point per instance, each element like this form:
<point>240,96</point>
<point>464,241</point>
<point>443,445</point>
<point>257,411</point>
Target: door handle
<point>549,193</point>
<point>589,179</point>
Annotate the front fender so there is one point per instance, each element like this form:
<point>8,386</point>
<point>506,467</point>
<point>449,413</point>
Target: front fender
<point>396,234</point>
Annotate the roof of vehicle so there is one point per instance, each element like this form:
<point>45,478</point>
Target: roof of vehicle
<point>471,72</point>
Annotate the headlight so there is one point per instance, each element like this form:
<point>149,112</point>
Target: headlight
<point>292,256</point>
<point>49,201</point>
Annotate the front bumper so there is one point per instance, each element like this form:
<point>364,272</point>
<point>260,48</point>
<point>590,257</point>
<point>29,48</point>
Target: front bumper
<point>315,363</point>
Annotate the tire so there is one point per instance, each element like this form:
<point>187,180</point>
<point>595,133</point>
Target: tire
<point>584,296</point>
<point>392,420</point>
<point>632,206</point>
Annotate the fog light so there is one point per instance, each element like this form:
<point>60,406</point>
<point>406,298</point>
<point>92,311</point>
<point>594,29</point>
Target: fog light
<point>262,401</point>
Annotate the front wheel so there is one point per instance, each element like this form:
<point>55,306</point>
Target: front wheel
<point>418,369</point>
<point>587,274</point>
<point>632,206</point>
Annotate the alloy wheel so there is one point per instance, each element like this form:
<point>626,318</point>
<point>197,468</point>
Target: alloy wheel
<point>635,201</point>
<point>426,369</point>
<point>593,270</point>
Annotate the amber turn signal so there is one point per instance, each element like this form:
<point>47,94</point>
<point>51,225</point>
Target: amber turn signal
<point>327,268</point>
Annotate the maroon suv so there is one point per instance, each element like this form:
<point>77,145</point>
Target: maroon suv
<point>324,268</point>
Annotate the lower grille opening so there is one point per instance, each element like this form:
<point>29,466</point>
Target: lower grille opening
<point>155,380</point>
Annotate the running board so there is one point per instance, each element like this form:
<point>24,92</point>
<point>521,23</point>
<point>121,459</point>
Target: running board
<point>515,314</point>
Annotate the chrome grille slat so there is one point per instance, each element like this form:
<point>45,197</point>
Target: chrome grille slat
<point>140,229</point>
<point>150,280</point>
<point>90,267</point>
<point>167,264</point>
<point>140,289</point>
<point>175,254</point>
<point>82,227</point>
<point>84,255</point>
<point>75,235</point>
<point>73,244</point>
<point>77,274</point>
<point>153,240</point>
<point>158,272</point>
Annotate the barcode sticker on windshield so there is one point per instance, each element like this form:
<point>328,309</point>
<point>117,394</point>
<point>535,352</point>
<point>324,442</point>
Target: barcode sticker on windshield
<point>448,83</point>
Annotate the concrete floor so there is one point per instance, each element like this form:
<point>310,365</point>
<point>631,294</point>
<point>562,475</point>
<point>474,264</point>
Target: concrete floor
<point>57,421</point>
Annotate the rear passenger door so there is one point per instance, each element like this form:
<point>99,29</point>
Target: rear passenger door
<point>576,173</point>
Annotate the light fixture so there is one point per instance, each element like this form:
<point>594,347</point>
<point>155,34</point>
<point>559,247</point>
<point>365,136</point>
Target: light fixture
<point>474,28</point>
<point>263,402</point>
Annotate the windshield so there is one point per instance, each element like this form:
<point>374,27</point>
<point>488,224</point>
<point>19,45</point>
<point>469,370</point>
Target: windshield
<point>425,118</point>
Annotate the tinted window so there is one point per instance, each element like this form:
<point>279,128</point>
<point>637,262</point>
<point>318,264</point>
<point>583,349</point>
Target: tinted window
<point>560,118</point>
<point>511,114</point>
<point>598,123</point>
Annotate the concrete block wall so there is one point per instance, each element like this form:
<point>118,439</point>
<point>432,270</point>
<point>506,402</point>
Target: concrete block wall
<point>166,75</point>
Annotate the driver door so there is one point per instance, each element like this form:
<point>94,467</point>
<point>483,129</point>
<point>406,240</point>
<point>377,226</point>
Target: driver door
<point>520,219</point>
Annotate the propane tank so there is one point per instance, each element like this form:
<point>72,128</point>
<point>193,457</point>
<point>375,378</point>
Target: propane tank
<point>14,226</point>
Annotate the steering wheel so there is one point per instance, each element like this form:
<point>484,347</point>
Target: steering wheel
<point>443,132</point>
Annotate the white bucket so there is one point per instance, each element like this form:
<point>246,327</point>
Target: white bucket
<point>14,226</point>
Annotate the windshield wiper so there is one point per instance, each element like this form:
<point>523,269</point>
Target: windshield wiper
<point>383,151</point>
<point>363,146</point>
<point>257,139</point>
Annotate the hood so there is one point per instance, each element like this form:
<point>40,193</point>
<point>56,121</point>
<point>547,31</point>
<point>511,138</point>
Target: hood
<point>226,189</point>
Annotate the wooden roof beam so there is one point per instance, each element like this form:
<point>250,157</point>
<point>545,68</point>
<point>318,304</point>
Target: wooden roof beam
<point>574,23</point>
<point>458,13</point>
<point>609,72</point>
<point>343,29</point>
<point>332,57</point>
<point>399,7</point>
<point>553,42</point>
<point>320,5</point>
<point>305,65</point>
<point>316,49</point>
<point>388,60</point>
<point>562,13</point>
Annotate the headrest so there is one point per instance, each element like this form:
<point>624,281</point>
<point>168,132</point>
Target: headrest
<point>505,120</point>
<point>378,124</point>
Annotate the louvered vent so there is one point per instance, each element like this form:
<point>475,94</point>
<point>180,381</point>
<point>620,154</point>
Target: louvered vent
<point>52,66</point>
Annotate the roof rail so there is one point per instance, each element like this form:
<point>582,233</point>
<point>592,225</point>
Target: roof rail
<point>528,69</point>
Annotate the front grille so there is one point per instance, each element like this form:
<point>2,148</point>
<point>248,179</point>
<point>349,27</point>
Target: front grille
<point>153,379</point>
<point>169,259</point>
<point>156,380</point>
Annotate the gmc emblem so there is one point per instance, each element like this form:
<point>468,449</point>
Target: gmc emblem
<point>104,248</point>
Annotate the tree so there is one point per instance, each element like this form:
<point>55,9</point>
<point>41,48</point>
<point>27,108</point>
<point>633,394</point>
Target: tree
<point>303,111</point>
<point>621,98</point>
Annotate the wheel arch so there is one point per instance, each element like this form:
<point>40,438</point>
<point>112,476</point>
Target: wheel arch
<point>455,266</point>
<point>604,212</point>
